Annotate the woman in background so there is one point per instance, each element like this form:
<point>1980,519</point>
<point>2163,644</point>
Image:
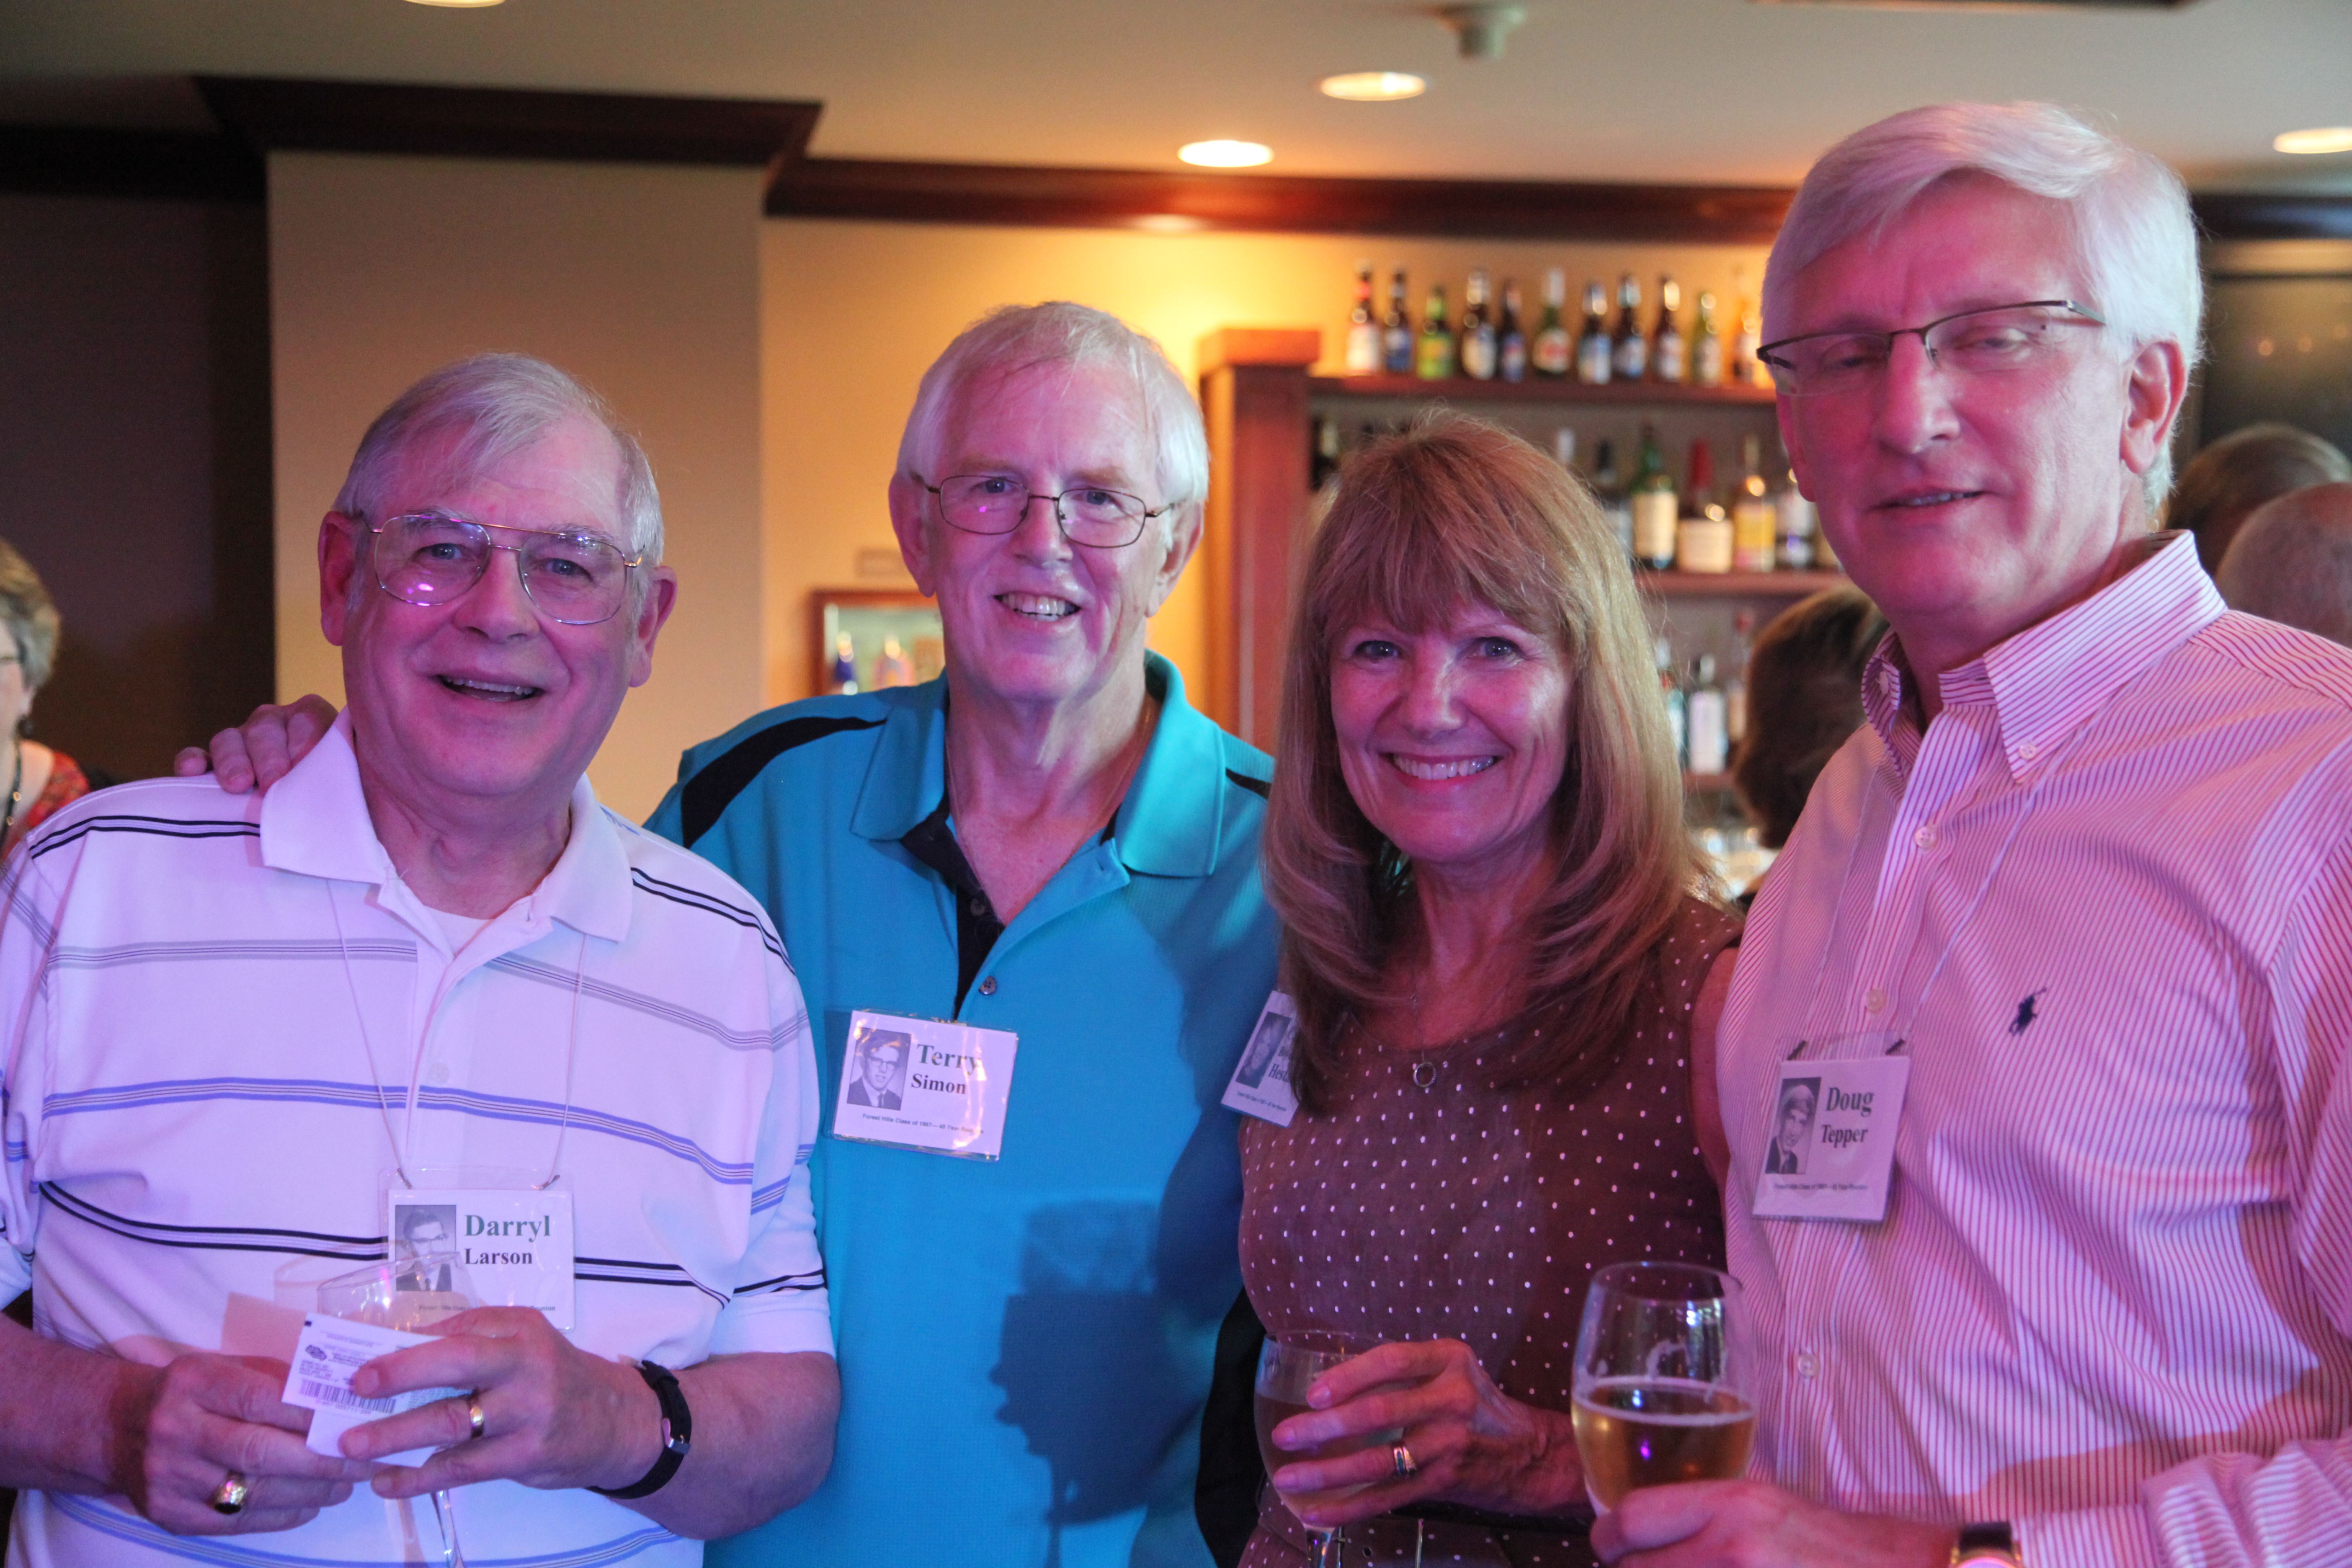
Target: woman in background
<point>1804,698</point>
<point>1475,843</point>
<point>41,781</point>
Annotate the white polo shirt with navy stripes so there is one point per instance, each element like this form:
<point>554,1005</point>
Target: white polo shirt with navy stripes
<point>196,1124</point>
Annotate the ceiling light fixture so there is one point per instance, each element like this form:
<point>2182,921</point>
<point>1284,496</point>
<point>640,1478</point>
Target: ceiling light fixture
<point>1373,87</point>
<point>1226,154</point>
<point>458,4</point>
<point>2319,139</point>
<point>1482,26</point>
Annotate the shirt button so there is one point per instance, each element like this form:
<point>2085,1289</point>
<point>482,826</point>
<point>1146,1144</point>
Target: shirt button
<point>1808,1364</point>
<point>979,905</point>
<point>1924,839</point>
<point>2027,751</point>
<point>439,1073</point>
<point>988,986</point>
<point>1874,999</point>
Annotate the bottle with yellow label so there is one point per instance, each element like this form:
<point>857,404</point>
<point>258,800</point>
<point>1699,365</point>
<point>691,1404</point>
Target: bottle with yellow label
<point>1755,520</point>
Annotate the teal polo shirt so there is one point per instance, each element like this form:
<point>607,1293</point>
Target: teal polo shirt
<point>1026,1343</point>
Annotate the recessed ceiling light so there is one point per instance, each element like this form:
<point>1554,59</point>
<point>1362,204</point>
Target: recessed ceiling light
<point>2320,139</point>
<point>1373,87</point>
<point>457,5</point>
<point>1226,154</point>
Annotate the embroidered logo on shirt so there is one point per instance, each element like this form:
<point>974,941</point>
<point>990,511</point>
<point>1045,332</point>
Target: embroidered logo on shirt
<point>2025,1014</point>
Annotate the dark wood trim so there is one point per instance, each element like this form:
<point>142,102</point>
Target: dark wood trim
<point>508,123</point>
<point>1295,203</point>
<point>1462,389</point>
<point>2274,215</point>
<point>86,161</point>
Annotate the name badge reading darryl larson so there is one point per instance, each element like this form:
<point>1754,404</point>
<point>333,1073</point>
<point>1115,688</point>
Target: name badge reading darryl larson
<point>1828,1153</point>
<point>515,1242</point>
<point>923,1083</point>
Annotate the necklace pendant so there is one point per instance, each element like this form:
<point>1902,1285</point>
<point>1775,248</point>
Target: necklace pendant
<point>1424,1073</point>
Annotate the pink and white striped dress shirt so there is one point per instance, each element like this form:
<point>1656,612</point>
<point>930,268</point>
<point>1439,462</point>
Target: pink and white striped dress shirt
<point>2106,901</point>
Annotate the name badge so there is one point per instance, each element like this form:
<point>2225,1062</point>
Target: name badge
<point>516,1242</point>
<point>925,1083</point>
<point>1260,1086</point>
<point>1828,1153</point>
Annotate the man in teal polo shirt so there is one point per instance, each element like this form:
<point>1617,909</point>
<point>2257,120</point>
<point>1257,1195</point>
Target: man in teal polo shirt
<point>1047,840</point>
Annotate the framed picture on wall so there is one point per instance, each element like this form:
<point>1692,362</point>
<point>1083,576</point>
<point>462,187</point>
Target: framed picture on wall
<point>869,638</point>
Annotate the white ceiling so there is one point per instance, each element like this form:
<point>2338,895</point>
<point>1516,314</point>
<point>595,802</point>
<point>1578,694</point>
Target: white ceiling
<point>1681,91</point>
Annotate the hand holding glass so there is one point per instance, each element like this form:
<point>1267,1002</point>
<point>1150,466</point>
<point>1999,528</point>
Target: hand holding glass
<point>1657,1399</point>
<point>1286,1370</point>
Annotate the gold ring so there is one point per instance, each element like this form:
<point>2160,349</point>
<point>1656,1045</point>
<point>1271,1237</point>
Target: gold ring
<point>1401,1459</point>
<point>474,1417</point>
<point>230,1495</point>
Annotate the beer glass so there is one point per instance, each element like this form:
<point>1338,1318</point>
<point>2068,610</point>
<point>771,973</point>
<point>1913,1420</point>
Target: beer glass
<point>409,1294</point>
<point>1656,1397</point>
<point>1285,1369</point>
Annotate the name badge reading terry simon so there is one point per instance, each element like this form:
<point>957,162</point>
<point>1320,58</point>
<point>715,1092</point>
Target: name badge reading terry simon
<point>1830,1148</point>
<point>516,1242</point>
<point>923,1083</point>
<point>1260,1086</point>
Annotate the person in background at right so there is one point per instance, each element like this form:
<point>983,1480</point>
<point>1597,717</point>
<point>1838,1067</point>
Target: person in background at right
<point>2226,480</point>
<point>1804,698</point>
<point>2291,563</point>
<point>2066,933</point>
<point>42,781</point>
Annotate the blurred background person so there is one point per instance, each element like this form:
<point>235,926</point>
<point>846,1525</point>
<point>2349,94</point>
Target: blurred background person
<point>1804,698</point>
<point>42,781</point>
<point>2226,480</point>
<point>2291,563</point>
<point>1476,846</point>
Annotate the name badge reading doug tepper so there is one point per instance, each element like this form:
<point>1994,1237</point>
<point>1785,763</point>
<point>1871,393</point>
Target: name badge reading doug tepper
<point>924,1083</point>
<point>1830,1147</point>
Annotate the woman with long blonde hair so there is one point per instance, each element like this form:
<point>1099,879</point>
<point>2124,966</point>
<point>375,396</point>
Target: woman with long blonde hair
<point>1497,935</point>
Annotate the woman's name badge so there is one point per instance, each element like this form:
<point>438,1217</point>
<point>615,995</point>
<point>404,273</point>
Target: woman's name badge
<point>515,1243</point>
<point>1828,1153</point>
<point>1260,1086</point>
<point>925,1083</point>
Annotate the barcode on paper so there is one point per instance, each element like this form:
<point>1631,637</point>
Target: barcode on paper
<point>335,1394</point>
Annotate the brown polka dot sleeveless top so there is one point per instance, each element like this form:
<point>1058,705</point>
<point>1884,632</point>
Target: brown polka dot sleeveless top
<point>1424,1204</point>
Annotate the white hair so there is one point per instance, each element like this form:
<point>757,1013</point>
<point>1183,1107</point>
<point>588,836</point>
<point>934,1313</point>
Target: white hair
<point>1014,338</point>
<point>496,405</point>
<point>2134,238</point>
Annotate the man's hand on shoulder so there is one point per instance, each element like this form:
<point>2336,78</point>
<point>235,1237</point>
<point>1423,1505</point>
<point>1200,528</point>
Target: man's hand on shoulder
<point>1748,1524</point>
<point>259,751</point>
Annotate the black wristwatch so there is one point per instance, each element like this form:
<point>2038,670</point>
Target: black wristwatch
<point>1988,1545</point>
<point>677,1434</point>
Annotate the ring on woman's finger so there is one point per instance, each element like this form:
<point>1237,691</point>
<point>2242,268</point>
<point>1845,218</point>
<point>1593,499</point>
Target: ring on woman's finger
<point>1401,1459</point>
<point>229,1496</point>
<point>474,1418</point>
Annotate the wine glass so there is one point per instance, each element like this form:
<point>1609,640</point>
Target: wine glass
<point>1657,1396</point>
<point>1285,1369</point>
<point>410,1294</point>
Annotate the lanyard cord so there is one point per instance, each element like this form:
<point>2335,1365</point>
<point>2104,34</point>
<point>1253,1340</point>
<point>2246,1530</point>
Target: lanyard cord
<point>383,1105</point>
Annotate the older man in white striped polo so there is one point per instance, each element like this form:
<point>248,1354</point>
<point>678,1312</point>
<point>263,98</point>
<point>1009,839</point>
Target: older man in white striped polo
<point>428,990</point>
<point>2065,930</point>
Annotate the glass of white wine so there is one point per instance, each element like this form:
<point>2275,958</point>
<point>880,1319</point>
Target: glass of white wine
<point>410,1294</point>
<point>1285,1369</point>
<point>1657,1397</point>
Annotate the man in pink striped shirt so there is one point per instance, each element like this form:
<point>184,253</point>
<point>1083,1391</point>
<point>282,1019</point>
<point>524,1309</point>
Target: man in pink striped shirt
<point>2088,871</point>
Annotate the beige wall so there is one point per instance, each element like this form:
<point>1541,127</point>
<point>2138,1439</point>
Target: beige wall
<point>644,281</point>
<point>857,310</point>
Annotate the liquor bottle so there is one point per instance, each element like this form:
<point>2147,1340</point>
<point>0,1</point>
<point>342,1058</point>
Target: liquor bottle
<point>1396,329</point>
<point>1746,369</point>
<point>1801,545</point>
<point>1433,357</point>
<point>1511,347</point>
<point>1614,504</point>
<point>1707,343</point>
<point>1703,715</point>
<point>1592,348</point>
<point>1629,356</point>
<point>1667,360</point>
<point>1653,504</point>
<point>1563,446</point>
<point>1325,460</point>
<point>1671,690</point>
<point>1363,351</point>
<point>1735,681</point>
<point>1755,522</point>
<point>1477,330</point>
<point>1554,350</point>
<point>1703,535</point>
